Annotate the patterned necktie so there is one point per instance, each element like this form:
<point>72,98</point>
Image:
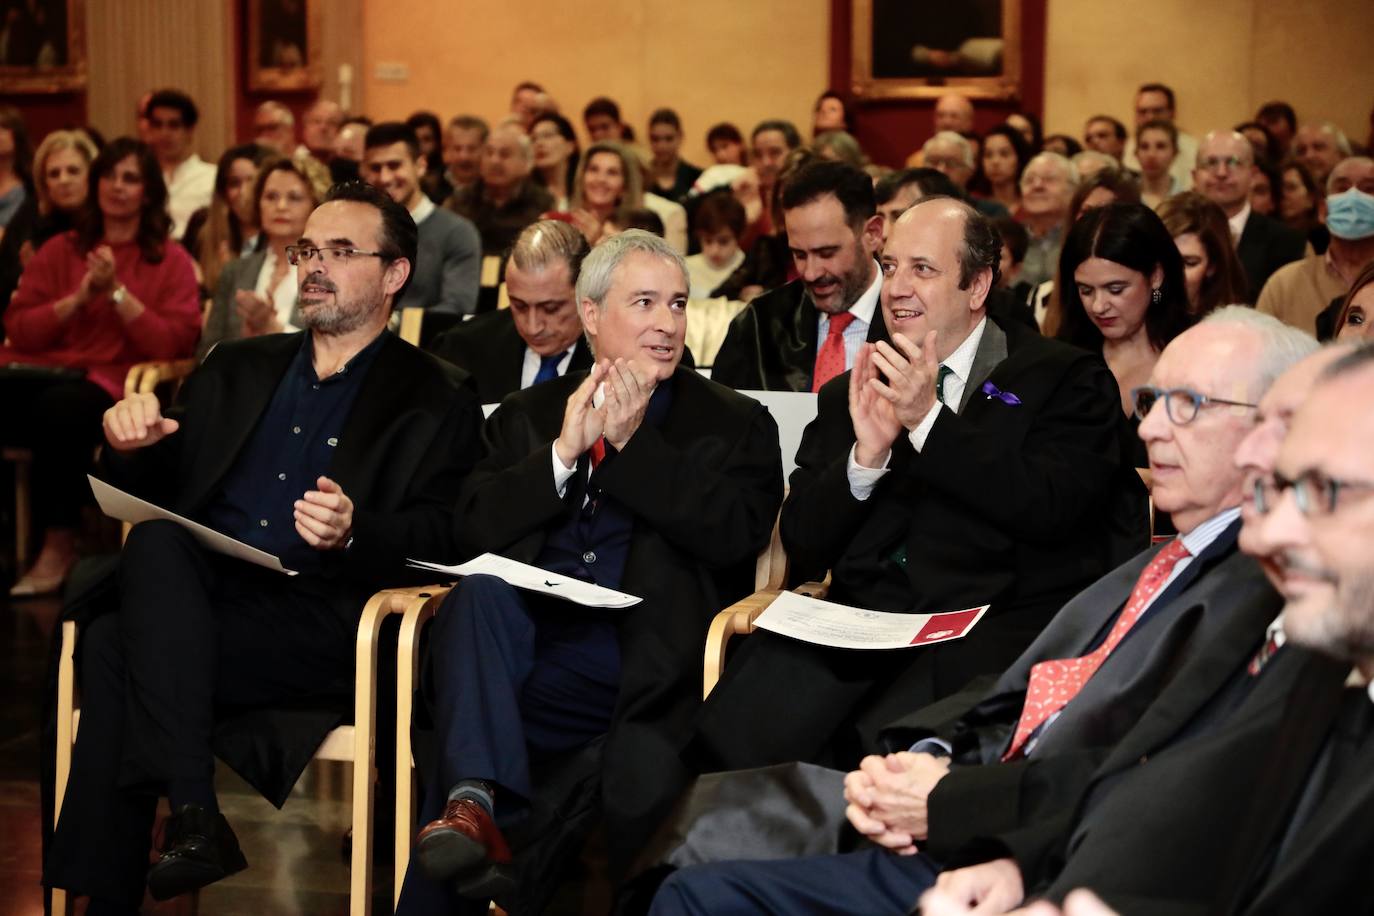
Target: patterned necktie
<point>1054,683</point>
<point>945,372</point>
<point>830,356</point>
<point>548,368</point>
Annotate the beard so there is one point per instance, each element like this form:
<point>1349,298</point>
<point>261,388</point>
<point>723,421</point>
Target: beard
<point>1345,628</point>
<point>853,283</point>
<point>341,314</point>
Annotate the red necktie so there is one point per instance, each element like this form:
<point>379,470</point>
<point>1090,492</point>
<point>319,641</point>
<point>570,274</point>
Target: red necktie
<point>598,451</point>
<point>1054,683</point>
<point>830,356</point>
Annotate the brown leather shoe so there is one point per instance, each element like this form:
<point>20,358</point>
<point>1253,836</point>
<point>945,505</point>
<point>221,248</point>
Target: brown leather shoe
<point>463,840</point>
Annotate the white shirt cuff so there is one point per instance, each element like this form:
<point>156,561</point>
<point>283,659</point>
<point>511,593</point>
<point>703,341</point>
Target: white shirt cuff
<point>919,435</point>
<point>561,473</point>
<point>863,480</point>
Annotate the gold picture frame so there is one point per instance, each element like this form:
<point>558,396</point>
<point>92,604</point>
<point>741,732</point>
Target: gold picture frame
<point>43,48</point>
<point>283,45</point>
<point>888,60</point>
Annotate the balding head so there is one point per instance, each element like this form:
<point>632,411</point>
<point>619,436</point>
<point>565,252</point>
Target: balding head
<point>1233,356</point>
<point>939,261</point>
<point>506,158</point>
<point>274,126</point>
<point>1225,169</point>
<point>951,154</point>
<point>320,126</point>
<point>954,112</point>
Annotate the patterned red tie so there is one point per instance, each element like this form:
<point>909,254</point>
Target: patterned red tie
<point>830,356</point>
<point>598,451</point>
<point>1054,683</point>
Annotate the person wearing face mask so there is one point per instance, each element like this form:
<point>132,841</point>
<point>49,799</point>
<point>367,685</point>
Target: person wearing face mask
<point>1298,292</point>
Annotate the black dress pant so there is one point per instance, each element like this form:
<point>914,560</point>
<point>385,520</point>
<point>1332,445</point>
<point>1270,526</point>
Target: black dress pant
<point>196,633</point>
<point>60,422</point>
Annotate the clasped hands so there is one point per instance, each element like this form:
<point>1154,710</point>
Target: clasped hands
<point>323,516</point>
<point>887,798</point>
<point>627,390</point>
<point>880,409</point>
<point>100,274</point>
<point>258,315</point>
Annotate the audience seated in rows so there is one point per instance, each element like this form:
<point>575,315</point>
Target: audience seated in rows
<point>1211,270</point>
<point>461,153</point>
<point>504,199</point>
<point>1156,102</point>
<point>1137,657</point>
<point>190,180</point>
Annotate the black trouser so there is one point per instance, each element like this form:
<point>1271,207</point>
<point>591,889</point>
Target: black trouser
<point>60,422</point>
<point>195,633</point>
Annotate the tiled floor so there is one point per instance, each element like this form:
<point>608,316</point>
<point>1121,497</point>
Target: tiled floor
<point>295,866</point>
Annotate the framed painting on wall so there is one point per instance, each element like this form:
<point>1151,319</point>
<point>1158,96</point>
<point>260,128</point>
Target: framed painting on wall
<point>283,44</point>
<point>42,46</point>
<point>906,49</point>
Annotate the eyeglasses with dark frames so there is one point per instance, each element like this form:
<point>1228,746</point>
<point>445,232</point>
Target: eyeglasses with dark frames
<point>1316,493</point>
<point>304,254</point>
<point>1181,404</point>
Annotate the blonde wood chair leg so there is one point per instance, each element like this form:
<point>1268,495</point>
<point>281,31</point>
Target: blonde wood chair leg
<point>66,707</point>
<point>407,666</point>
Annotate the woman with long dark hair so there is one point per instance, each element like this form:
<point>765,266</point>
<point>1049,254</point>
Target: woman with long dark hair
<point>227,229</point>
<point>1212,272</point>
<point>90,304</point>
<point>554,144</point>
<point>1122,291</point>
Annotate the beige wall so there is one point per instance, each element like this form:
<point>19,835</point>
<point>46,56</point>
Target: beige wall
<point>711,60</point>
<point>1224,58</point>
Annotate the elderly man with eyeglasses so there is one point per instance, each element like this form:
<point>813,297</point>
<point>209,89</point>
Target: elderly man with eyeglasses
<point>998,773</point>
<point>295,445</point>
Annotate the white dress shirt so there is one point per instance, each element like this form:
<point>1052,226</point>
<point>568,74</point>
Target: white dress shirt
<point>189,187</point>
<point>421,211</point>
<point>530,368</point>
<point>1238,222</point>
<point>862,480</point>
<point>283,298</point>
<point>857,333</point>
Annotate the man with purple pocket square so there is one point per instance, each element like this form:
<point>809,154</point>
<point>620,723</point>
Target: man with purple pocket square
<point>963,461</point>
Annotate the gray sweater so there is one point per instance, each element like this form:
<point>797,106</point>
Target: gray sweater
<point>448,265</point>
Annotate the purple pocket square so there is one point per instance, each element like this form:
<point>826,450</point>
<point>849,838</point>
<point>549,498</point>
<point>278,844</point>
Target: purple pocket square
<point>1006,397</point>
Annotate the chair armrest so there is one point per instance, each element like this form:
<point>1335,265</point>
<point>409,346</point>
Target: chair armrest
<point>412,320</point>
<point>143,378</point>
<point>817,590</point>
<point>737,619</point>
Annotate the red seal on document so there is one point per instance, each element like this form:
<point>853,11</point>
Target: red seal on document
<point>952,625</point>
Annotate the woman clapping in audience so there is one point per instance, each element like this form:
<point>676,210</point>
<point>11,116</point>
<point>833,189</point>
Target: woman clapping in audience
<point>256,294</point>
<point>1122,292</point>
<point>90,304</point>
<point>61,167</point>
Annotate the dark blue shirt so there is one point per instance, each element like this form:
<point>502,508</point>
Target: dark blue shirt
<point>291,447</point>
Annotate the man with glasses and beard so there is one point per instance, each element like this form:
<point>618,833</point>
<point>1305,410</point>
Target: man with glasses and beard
<point>293,444</point>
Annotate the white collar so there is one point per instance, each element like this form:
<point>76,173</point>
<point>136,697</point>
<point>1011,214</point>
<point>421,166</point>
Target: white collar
<point>863,307</point>
<point>189,162</point>
<point>960,362</point>
<point>1202,535</point>
<point>1238,221</point>
<point>421,211</point>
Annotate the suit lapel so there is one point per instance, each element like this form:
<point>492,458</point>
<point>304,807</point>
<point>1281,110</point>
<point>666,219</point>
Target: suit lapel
<point>992,349</point>
<point>510,361</point>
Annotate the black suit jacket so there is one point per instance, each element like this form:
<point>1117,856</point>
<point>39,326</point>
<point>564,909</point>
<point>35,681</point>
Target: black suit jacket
<point>491,349</point>
<point>703,489</point>
<point>1214,613</point>
<point>409,440</point>
<point>1015,506</point>
<point>771,344</point>
<point>1266,245</point>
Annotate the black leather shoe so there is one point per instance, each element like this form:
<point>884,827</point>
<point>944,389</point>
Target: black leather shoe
<point>199,849</point>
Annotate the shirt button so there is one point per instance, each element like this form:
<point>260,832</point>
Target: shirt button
<point>263,522</point>
<point>296,430</point>
<point>316,386</point>
<point>281,476</point>
<point>589,557</point>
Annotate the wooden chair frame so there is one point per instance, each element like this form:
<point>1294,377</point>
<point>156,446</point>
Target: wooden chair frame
<point>355,744</point>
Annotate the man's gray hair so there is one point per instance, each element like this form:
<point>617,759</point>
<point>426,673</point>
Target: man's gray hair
<point>1281,345</point>
<point>1061,162</point>
<point>522,139</point>
<point>1337,136</point>
<point>950,138</point>
<point>549,240</point>
<point>598,270</point>
<point>1358,160</point>
<point>1104,162</point>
